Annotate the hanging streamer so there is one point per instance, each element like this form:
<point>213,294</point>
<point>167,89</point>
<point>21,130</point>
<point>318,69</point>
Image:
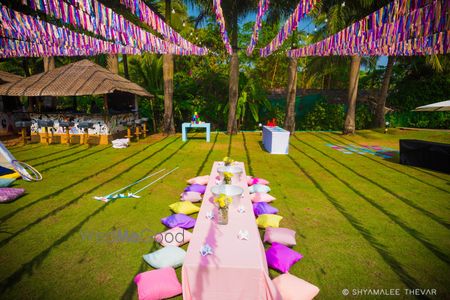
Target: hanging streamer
<point>148,16</point>
<point>221,21</point>
<point>263,6</point>
<point>302,9</point>
<point>26,36</point>
<point>403,27</point>
<point>93,16</point>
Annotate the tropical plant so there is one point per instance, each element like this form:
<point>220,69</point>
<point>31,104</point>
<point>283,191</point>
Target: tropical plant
<point>233,10</point>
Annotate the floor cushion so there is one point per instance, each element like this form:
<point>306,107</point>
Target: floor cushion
<point>203,180</point>
<point>10,194</point>
<point>262,208</point>
<point>5,182</point>
<point>158,284</point>
<point>170,256</point>
<point>178,220</point>
<point>14,175</point>
<point>262,197</point>
<point>255,180</point>
<point>6,171</point>
<point>284,236</point>
<point>291,287</point>
<point>191,196</point>
<point>281,257</point>
<point>267,220</point>
<point>259,188</point>
<point>196,188</point>
<point>184,207</point>
<point>173,237</point>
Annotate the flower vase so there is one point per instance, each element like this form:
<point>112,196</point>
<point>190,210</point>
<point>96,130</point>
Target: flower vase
<point>223,216</point>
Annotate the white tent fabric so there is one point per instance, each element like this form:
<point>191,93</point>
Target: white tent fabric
<point>438,106</point>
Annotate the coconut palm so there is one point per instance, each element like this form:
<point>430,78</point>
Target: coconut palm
<point>233,10</point>
<point>339,15</point>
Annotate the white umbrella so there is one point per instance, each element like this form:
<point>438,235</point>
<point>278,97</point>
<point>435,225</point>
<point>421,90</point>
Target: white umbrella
<point>438,106</point>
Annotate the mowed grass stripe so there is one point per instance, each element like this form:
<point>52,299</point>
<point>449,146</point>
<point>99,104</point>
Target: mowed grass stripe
<point>38,259</point>
<point>81,183</point>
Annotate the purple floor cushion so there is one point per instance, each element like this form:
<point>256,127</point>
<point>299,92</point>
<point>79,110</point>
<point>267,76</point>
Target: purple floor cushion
<point>281,258</point>
<point>10,194</point>
<point>261,208</point>
<point>157,284</point>
<point>178,220</point>
<point>196,188</point>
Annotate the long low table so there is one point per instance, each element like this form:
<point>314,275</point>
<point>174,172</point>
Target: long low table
<point>237,269</point>
<point>185,127</point>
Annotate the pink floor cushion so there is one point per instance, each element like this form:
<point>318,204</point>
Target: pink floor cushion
<point>196,188</point>
<point>203,180</point>
<point>191,196</point>
<point>262,208</point>
<point>284,236</point>
<point>10,194</point>
<point>173,237</point>
<point>178,220</point>
<point>281,258</point>
<point>255,180</point>
<point>262,197</point>
<point>293,288</point>
<point>157,284</point>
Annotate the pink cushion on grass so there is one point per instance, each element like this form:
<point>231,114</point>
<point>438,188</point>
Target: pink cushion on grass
<point>203,180</point>
<point>293,288</point>
<point>158,284</point>
<point>282,236</point>
<point>262,197</point>
<point>173,237</point>
<point>281,258</point>
<point>255,180</point>
<point>191,196</point>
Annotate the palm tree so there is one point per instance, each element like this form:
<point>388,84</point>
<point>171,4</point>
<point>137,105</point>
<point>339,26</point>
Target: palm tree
<point>169,126</point>
<point>381,103</point>
<point>233,10</point>
<point>341,14</point>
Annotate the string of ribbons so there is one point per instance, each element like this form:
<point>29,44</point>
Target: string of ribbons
<point>148,16</point>
<point>263,6</point>
<point>401,28</point>
<point>23,35</point>
<point>302,9</point>
<point>221,21</point>
<point>93,16</point>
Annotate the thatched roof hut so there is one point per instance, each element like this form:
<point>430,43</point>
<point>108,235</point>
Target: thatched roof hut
<point>8,77</point>
<point>76,79</point>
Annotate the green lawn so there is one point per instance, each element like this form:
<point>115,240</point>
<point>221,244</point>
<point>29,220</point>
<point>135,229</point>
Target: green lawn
<point>361,221</point>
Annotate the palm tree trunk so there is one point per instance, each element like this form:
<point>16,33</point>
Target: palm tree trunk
<point>125,66</point>
<point>169,127</point>
<point>379,117</point>
<point>49,63</point>
<point>233,89</point>
<point>349,125</point>
<point>112,63</point>
<point>289,122</point>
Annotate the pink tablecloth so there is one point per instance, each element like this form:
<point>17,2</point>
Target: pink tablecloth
<point>237,269</point>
